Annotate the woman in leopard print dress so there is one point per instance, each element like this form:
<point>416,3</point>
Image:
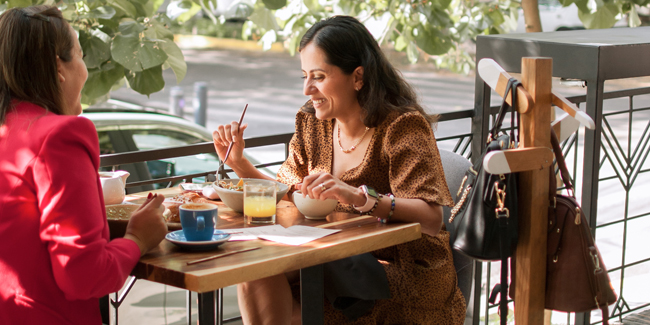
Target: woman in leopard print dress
<point>362,128</point>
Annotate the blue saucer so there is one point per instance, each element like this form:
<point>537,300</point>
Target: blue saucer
<point>178,238</point>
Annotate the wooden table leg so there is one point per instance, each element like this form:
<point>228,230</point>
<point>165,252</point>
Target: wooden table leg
<point>312,295</point>
<point>207,308</point>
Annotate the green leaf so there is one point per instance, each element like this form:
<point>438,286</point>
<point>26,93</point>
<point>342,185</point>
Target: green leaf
<point>441,4</point>
<point>156,4</point>
<point>103,12</point>
<point>140,9</point>
<point>495,16</point>
<point>604,17</point>
<point>96,50</point>
<point>175,59</point>
<point>101,35</point>
<point>101,81</point>
<point>207,6</point>
<point>157,30</point>
<point>193,10</point>
<point>432,41</point>
<point>137,55</point>
<point>109,26</point>
<point>146,82</point>
<point>151,54</point>
<point>185,4</point>
<point>274,4</point>
<point>583,6</point>
<point>124,50</point>
<point>18,3</point>
<point>313,5</point>
<point>400,43</point>
<point>125,6</point>
<point>131,28</point>
<point>150,7</point>
<point>264,19</point>
<point>412,52</point>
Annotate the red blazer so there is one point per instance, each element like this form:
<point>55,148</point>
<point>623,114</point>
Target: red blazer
<point>55,256</point>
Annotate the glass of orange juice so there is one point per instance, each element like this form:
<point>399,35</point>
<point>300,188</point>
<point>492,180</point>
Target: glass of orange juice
<point>259,201</point>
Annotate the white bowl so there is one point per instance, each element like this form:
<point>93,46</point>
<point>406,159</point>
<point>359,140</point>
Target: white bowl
<point>313,208</point>
<point>235,199</point>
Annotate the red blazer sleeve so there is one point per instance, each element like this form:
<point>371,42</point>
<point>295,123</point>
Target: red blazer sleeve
<point>73,218</point>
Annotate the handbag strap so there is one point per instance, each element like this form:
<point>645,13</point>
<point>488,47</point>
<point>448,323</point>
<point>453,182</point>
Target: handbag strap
<point>511,87</point>
<point>559,157</point>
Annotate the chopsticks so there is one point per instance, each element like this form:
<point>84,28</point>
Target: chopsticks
<point>241,119</point>
<point>209,258</point>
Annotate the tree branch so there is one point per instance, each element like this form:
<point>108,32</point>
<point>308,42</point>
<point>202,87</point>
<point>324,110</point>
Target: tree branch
<point>531,16</point>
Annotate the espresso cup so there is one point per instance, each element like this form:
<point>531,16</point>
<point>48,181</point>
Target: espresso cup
<point>198,220</point>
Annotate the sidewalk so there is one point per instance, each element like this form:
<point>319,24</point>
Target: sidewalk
<point>156,304</point>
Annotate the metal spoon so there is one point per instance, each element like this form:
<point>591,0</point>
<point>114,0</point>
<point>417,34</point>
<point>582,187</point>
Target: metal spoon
<point>220,169</point>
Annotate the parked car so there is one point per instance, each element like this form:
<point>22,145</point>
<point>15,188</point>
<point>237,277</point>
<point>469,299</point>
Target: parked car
<point>123,129</point>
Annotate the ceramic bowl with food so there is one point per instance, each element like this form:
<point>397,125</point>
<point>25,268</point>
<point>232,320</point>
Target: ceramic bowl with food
<point>118,216</point>
<point>313,208</point>
<point>232,193</point>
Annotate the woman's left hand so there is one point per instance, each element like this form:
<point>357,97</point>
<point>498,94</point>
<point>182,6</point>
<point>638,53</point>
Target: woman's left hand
<point>325,186</point>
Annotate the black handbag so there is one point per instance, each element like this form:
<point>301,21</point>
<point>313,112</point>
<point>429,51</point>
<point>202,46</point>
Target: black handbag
<point>473,218</point>
<point>485,217</point>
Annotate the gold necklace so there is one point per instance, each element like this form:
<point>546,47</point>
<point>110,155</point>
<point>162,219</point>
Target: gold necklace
<point>355,145</point>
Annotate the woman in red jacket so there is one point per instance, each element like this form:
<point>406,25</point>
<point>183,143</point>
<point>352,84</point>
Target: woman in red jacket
<point>56,259</point>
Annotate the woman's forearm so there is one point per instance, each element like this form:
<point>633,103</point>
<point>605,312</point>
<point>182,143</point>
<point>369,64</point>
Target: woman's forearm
<point>412,210</point>
<point>245,169</point>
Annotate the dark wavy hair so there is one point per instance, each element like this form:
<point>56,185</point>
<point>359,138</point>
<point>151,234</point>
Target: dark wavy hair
<point>30,40</point>
<point>348,44</point>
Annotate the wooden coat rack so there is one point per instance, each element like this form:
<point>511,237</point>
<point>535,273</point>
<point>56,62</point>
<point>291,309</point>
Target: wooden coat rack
<point>531,159</point>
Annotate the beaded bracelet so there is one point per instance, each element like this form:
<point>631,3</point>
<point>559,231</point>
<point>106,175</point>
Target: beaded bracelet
<point>392,209</point>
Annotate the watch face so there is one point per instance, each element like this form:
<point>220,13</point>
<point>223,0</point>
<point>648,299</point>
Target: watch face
<point>372,192</point>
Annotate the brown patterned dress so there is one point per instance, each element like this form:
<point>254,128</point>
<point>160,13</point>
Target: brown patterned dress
<point>402,158</point>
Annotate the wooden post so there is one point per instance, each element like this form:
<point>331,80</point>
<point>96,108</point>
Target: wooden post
<point>533,196</point>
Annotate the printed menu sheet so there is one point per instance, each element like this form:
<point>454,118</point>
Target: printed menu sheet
<point>294,235</point>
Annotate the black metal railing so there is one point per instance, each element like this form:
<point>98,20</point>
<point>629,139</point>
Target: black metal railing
<point>629,160</point>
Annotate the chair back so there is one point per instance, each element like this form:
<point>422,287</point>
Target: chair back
<point>455,167</point>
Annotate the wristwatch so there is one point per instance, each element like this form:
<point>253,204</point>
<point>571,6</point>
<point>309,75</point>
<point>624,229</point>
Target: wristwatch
<point>371,199</point>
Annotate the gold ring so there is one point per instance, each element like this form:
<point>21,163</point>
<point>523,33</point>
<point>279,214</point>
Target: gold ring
<point>323,188</point>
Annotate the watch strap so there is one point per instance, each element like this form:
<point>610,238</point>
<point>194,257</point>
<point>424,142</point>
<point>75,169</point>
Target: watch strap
<point>370,201</point>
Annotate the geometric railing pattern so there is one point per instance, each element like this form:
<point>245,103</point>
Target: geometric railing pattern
<point>623,215</point>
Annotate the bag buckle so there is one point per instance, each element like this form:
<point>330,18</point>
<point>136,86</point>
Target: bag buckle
<point>501,195</point>
<point>596,261</point>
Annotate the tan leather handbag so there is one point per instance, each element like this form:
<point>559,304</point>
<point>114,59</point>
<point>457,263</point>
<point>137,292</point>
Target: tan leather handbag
<point>576,277</point>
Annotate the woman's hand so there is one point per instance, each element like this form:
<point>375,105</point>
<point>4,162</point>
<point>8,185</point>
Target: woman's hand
<point>224,135</point>
<point>147,226</point>
<point>325,186</point>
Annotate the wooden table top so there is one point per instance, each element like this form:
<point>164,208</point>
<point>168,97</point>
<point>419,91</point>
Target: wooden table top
<point>167,264</point>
